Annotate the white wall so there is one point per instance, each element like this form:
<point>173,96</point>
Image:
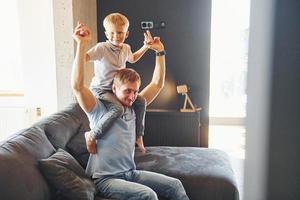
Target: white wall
<point>64,52</point>
<point>48,49</point>
<point>66,13</point>
<point>86,13</point>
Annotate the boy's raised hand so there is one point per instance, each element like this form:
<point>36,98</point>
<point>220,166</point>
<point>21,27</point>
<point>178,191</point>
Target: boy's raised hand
<point>148,40</point>
<point>153,43</point>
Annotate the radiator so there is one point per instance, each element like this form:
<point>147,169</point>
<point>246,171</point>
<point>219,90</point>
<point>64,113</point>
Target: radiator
<point>16,118</point>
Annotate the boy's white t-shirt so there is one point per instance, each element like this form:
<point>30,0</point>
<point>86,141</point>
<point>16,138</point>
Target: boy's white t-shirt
<point>108,59</point>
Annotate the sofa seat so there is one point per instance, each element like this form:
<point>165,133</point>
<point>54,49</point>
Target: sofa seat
<point>205,173</point>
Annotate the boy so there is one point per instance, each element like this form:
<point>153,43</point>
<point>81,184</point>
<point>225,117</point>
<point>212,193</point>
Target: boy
<point>109,57</point>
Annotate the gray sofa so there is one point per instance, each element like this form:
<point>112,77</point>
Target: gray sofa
<point>24,171</point>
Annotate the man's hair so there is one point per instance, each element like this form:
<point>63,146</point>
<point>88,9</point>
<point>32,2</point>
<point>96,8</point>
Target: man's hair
<point>115,19</point>
<point>126,75</point>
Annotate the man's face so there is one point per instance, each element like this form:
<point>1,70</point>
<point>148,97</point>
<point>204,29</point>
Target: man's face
<point>116,34</point>
<point>126,93</point>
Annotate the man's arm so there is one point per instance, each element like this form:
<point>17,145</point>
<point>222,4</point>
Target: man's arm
<point>158,77</point>
<point>83,95</point>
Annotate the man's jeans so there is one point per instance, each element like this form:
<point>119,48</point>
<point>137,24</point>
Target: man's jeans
<point>140,185</point>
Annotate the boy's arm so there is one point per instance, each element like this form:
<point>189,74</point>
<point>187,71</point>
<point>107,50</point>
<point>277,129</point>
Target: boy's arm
<point>148,41</point>
<point>138,54</point>
<point>158,77</point>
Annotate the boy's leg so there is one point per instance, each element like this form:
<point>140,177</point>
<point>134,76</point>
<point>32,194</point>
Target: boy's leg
<point>165,186</point>
<point>139,107</point>
<point>114,110</point>
<point>116,188</point>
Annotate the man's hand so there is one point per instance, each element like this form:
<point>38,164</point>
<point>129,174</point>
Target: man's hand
<point>82,33</point>
<point>90,143</point>
<point>140,144</point>
<point>84,96</point>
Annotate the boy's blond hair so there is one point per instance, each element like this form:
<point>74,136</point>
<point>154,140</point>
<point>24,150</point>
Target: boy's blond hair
<point>115,19</point>
<point>126,75</point>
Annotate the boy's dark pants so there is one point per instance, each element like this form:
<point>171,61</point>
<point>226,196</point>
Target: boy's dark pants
<point>115,109</point>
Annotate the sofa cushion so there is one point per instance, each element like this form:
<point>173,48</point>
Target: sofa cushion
<point>67,176</point>
<point>18,165</point>
<point>205,173</point>
<point>60,127</point>
<point>77,147</point>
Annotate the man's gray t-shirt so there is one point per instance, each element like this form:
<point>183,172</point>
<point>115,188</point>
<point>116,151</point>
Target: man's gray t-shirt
<point>115,148</point>
<point>108,59</point>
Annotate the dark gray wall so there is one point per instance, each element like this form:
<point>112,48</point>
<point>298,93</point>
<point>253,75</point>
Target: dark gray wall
<point>284,141</point>
<point>187,41</point>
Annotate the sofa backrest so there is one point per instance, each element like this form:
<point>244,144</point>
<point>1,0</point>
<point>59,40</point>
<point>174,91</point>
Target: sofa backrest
<point>62,126</point>
<point>65,129</point>
<point>20,177</point>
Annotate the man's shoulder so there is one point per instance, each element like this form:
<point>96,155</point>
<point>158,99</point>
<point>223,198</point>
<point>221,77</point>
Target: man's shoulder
<point>98,108</point>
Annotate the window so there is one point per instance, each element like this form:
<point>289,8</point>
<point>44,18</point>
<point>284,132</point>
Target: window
<point>11,74</point>
<point>229,50</point>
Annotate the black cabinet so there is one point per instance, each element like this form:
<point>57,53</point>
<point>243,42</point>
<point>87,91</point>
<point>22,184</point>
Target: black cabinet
<point>172,128</point>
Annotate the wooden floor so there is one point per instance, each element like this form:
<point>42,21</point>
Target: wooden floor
<point>231,139</point>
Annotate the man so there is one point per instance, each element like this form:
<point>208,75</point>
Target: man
<point>111,164</point>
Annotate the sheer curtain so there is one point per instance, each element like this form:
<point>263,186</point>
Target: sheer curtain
<point>11,74</point>
<point>229,49</point>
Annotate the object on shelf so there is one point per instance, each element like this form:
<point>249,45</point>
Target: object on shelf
<point>183,89</point>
